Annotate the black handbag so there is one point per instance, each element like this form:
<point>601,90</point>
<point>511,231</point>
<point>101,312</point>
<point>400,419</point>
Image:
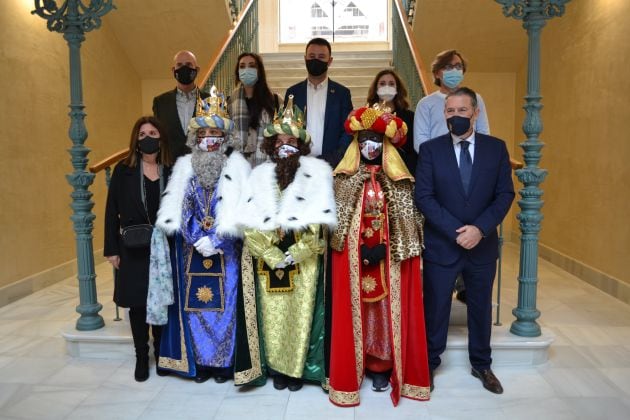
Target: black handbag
<point>139,236</point>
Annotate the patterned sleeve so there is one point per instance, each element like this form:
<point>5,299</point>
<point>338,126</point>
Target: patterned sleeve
<point>263,245</point>
<point>309,244</point>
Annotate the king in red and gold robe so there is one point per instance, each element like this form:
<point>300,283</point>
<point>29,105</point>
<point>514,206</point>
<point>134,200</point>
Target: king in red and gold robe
<point>377,309</point>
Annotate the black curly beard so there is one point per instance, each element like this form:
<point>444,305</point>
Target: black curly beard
<point>286,169</point>
<point>207,166</point>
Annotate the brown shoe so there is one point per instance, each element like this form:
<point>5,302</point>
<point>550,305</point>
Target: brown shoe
<point>489,381</point>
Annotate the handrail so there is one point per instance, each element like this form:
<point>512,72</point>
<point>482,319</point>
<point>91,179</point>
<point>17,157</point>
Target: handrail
<point>516,164</point>
<point>226,42</point>
<point>420,67</point>
<point>109,161</point>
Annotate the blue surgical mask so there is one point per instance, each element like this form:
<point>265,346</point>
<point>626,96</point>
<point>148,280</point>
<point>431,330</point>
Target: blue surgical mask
<point>452,78</point>
<point>248,76</point>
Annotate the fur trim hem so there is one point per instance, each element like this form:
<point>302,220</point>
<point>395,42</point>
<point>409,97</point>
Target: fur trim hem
<point>169,217</point>
<point>233,178</point>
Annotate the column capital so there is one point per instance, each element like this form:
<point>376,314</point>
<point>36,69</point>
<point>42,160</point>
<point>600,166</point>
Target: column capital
<point>523,9</point>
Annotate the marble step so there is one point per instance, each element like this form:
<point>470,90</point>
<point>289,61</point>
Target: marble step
<point>289,60</point>
<point>114,342</point>
<point>334,72</point>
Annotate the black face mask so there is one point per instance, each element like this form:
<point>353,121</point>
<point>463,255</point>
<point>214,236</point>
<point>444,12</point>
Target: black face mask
<point>458,125</point>
<point>316,67</point>
<point>185,75</point>
<point>149,145</point>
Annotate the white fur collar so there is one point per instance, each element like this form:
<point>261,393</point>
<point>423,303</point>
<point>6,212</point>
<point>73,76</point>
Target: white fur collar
<point>309,199</point>
<point>231,183</point>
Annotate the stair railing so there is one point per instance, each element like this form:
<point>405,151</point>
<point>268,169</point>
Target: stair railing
<point>242,38</point>
<point>405,57</point>
<point>410,10</point>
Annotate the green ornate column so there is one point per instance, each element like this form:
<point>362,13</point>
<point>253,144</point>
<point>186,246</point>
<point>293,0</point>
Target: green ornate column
<point>534,14</point>
<point>73,18</point>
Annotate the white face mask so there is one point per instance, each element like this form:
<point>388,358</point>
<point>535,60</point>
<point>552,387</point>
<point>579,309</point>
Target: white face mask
<point>386,93</point>
<point>210,141</point>
<point>286,150</point>
<point>371,149</point>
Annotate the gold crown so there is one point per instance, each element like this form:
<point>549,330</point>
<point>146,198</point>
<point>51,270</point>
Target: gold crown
<point>290,120</point>
<point>212,112</point>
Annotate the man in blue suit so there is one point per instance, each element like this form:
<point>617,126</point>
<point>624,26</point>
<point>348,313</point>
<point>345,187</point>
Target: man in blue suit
<point>464,189</point>
<point>326,103</point>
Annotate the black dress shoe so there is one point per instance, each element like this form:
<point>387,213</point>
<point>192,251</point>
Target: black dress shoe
<point>461,296</point>
<point>489,381</point>
<point>280,382</point>
<point>202,375</point>
<point>220,379</point>
<point>295,384</point>
<point>141,373</point>
<point>380,381</point>
<point>431,380</point>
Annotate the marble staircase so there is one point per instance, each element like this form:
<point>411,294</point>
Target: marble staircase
<point>355,70</point>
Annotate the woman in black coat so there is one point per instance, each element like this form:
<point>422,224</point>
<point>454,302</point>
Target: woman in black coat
<point>143,173</point>
<point>387,86</point>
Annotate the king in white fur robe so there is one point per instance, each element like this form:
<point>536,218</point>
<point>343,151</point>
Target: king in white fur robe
<point>201,327</point>
<point>289,301</point>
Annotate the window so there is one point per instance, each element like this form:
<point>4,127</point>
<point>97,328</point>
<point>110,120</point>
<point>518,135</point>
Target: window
<point>321,31</point>
<point>317,11</point>
<point>353,10</point>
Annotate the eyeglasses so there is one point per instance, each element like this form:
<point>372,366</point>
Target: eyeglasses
<point>458,66</point>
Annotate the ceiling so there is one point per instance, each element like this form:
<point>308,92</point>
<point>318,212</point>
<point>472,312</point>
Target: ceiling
<point>152,31</point>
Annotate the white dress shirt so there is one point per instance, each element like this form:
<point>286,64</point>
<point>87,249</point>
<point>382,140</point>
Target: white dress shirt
<point>315,114</point>
<point>471,147</point>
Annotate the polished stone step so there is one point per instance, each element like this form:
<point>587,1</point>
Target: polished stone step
<point>114,342</point>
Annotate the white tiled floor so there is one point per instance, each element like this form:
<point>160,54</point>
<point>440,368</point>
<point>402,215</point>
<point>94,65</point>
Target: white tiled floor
<point>587,376</point>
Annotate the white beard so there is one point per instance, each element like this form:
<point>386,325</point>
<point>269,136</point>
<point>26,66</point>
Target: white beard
<point>207,166</point>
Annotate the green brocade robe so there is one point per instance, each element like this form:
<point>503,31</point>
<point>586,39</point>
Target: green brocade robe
<point>282,311</point>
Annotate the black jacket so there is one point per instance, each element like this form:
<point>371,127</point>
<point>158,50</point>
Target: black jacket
<point>124,208</point>
<point>165,110</point>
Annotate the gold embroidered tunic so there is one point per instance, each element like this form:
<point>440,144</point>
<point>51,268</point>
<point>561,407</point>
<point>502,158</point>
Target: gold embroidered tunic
<point>286,313</point>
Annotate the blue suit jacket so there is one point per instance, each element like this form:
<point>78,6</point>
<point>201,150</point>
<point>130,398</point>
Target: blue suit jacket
<point>338,106</point>
<point>441,198</point>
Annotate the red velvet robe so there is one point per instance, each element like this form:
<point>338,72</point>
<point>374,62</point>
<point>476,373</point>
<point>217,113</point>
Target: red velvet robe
<point>402,287</point>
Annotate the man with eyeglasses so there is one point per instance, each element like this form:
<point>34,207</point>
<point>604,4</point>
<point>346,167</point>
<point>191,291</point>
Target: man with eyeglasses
<point>448,70</point>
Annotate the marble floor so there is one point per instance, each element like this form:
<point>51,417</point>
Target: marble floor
<point>587,375</point>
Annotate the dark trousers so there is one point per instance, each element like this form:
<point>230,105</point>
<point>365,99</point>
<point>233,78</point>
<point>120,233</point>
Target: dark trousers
<point>140,332</point>
<point>439,281</point>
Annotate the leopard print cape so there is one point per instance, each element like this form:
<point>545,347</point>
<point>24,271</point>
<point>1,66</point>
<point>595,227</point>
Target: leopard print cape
<point>405,221</point>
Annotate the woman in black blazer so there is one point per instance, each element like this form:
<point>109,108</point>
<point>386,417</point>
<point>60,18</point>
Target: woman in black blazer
<point>143,172</point>
<point>387,86</point>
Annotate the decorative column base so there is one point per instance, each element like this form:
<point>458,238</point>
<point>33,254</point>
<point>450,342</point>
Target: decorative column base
<point>90,319</point>
<point>525,324</point>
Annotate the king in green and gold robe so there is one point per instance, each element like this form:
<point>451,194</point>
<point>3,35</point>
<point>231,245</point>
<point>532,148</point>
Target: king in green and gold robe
<point>282,306</point>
